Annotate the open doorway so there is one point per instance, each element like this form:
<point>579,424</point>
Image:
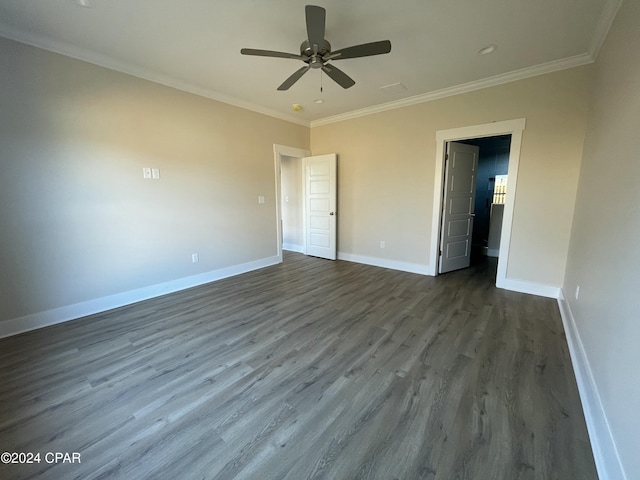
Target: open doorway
<point>306,200</point>
<point>514,128</point>
<point>291,159</point>
<point>492,183</point>
<point>291,204</point>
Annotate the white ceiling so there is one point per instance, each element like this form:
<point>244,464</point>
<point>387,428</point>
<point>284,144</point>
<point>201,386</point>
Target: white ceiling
<point>195,45</point>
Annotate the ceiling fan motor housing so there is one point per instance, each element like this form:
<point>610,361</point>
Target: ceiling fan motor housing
<point>315,58</point>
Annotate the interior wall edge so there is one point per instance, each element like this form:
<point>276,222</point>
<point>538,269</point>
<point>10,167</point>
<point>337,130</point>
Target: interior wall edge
<point>67,313</point>
<point>603,445</point>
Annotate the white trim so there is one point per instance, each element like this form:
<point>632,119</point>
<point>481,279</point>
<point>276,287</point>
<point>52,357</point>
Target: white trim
<point>303,193</point>
<point>385,263</point>
<point>511,127</point>
<point>508,77</point>
<point>532,288</point>
<point>278,152</point>
<point>290,247</point>
<point>603,444</point>
<point>97,305</point>
<point>603,26</point>
<point>290,151</point>
<point>105,61</point>
<point>79,53</point>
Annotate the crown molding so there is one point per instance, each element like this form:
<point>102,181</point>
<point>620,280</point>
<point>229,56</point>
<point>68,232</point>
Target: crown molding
<point>607,16</point>
<point>604,24</point>
<point>549,67</point>
<point>105,61</point>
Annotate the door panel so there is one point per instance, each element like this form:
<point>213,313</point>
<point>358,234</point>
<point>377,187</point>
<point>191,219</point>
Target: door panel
<point>457,249</point>
<point>457,216</point>
<point>459,227</point>
<point>320,174</point>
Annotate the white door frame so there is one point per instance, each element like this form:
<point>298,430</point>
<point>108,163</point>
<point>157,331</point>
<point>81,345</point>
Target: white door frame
<point>508,127</point>
<point>278,152</point>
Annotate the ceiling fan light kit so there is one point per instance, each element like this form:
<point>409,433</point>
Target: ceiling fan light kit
<point>316,52</point>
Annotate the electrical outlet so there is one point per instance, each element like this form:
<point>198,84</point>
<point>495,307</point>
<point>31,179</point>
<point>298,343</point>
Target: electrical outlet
<point>195,258</point>
<point>260,199</point>
<point>146,172</point>
<point>577,291</point>
<point>382,245</point>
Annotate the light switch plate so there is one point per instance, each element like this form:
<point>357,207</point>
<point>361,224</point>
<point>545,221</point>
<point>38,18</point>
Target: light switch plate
<point>260,199</point>
<point>155,173</point>
<point>146,172</point>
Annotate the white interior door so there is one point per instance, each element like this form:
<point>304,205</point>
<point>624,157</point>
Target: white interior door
<point>320,205</point>
<point>458,206</point>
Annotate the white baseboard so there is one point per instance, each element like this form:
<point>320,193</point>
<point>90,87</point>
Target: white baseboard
<point>70,312</point>
<point>531,288</point>
<point>385,263</point>
<point>292,247</point>
<point>603,445</point>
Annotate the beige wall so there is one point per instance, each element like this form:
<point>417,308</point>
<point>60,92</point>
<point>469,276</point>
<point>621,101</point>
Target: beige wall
<point>603,254</point>
<point>386,171</point>
<point>79,222</point>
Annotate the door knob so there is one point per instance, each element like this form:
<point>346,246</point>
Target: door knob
<point>331,213</point>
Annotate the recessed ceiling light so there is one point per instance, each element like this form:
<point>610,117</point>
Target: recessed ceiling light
<point>85,3</point>
<point>487,50</point>
<point>296,107</point>
<point>318,100</point>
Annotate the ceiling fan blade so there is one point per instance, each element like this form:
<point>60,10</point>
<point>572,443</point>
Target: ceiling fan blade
<point>316,17</point>
<point>270,53</point>
<point>338,76</point>
<point>364,50</point>
<point>294,78</point>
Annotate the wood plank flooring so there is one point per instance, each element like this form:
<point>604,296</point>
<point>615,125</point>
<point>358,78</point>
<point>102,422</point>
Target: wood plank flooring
<point>307,370</point>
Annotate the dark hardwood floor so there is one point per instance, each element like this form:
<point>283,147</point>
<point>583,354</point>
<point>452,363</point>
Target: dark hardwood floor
<point>306,370</point>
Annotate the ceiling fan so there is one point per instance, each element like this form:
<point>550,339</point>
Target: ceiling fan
<point>315,51</point>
